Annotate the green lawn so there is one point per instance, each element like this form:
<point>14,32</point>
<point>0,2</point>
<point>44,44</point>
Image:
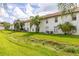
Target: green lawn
<point>18,43</point>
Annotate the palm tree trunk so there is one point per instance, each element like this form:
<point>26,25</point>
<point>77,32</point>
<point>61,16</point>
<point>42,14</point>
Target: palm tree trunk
<point>37,28</point>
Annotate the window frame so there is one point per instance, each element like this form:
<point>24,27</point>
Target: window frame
<point>46,21</point>
<point>74,17</point>
<point>56,19</point>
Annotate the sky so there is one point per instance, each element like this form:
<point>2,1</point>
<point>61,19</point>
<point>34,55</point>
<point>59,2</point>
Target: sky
<point>12,11</point>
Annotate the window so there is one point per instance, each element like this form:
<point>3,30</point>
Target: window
<point>73,17</point>
<point>47,32</point>
<point>51,32</point>
<point>56,19</point>
<point>46,21</point>
<point>32,29</point>
<point>55,29</point>
<point>27,29</point>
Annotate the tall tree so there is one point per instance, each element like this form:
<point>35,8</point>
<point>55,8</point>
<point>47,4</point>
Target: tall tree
<point>18,25</point>
<point>35,20</point>
<point>67,8</point>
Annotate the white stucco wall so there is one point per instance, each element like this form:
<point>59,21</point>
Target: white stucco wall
<point>12,27</point>
<point>50,26</point>
<point>33,28</point>
<point>76,23</point>
<point>27,27</point>
<point>2,28</point>
<point>51,23</point>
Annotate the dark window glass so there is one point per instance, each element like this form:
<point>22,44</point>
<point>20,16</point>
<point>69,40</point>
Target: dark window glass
<point>51,32</point>
<point>55,29</point>
<point>56,19</point>
<point>73,17</point>
<point>47,32</point>
<point>27,29</point>
<point>32,29</point>
<point>46,21</point>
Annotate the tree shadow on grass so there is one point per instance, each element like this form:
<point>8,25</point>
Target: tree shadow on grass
<point>28,34</point>
<point>64,36</point>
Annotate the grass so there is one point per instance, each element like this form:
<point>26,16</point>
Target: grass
<point>68,39</point>
<point>17,43</point>
<point>12,49</point>
<point>71,49</point>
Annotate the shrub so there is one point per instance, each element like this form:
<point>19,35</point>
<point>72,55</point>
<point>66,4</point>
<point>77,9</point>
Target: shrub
<point>57,47</point>
<point>71,49</point>
<point>67,28</point>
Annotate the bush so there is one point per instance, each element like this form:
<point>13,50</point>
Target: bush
<point>71,49</point>
<point>67,28</point>
<point>59,46</point>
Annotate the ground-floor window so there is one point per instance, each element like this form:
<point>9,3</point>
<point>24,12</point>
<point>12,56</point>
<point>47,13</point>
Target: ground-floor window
<point>27,29</point>
<point>49,32</point>
<point>32,29</point>
<point>55,29</point>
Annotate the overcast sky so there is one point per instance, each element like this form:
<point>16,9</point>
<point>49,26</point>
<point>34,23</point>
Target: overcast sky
<point>12,11</point>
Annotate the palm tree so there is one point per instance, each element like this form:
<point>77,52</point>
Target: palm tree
<point>67,28</point>
<point>35,20</point>
<point>18,25</point>
<point>65,8</point>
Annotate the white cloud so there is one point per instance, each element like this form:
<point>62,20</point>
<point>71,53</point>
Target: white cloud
<point>41,9</point>
<point>29,10</point>
<point>46,12</point>
<point>46,8</point>
<point>1,20</point>
<point>12,17</point>
<point>9,6</point>
<point>3,12</point>
<point>18,13</point>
